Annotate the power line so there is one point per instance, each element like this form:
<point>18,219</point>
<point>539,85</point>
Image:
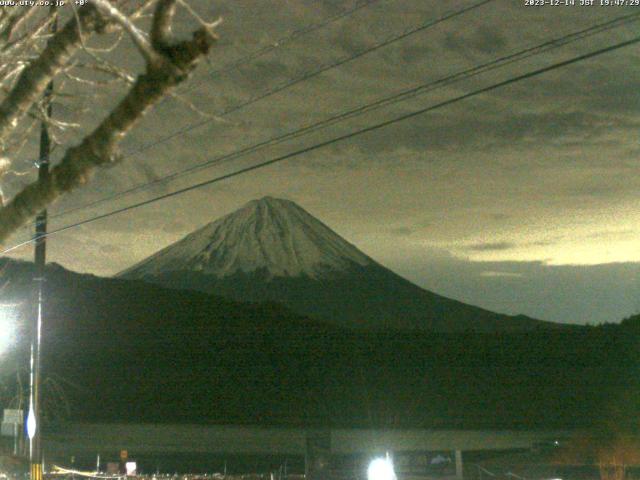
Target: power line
<point>313,73</point>
<point>310,74</point>
<point>400,96</point>
<point>306,76</point>
<point>279,43</point>
<point>285,40</point>
<point>341,138</point>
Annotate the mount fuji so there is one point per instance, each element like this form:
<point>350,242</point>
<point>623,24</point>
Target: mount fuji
<point>273,250</point>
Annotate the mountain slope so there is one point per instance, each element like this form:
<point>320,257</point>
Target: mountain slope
<point>272,249</point>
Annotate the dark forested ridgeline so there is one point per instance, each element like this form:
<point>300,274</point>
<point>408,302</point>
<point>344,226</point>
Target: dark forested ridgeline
<point>142,353</point>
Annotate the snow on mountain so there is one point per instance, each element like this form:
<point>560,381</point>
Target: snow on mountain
<point>273,250</point>
<point>269,235</point>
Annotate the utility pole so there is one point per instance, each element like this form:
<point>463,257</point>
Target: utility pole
<point>34,423</point>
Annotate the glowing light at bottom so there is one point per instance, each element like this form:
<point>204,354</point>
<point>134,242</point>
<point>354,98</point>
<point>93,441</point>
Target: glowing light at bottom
<point>381,469</point>
<point>31,424</point>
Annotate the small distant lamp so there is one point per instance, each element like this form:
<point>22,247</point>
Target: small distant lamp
<point>381,469</point>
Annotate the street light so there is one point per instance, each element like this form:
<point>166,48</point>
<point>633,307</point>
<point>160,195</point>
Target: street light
<point>381,469</point>
<point>7,328</point>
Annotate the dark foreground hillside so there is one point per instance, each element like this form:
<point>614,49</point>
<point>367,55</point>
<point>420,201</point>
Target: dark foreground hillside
<point>142,353</point>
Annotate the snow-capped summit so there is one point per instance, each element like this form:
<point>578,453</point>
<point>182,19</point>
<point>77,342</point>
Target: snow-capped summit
<point>270,235</point>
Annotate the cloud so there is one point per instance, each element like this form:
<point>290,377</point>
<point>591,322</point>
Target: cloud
<point>470,127</point>
<point>349,43</point>
<point>561,293</point>
<point>499,216</point>
<point>415,53</point>
<point>491,247</point>
<point>149,175</point>
<point>608,234</point>
<point>109,249</point>
<point>485,39</point>
<point>620,96</point>
<point>401,231</point>
<point>493,273</point>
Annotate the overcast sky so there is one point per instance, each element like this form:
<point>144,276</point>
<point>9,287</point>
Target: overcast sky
<point>522,200</point>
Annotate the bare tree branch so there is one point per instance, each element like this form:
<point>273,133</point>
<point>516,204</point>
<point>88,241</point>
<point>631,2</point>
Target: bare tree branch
<point>172,65</point>
<point>161,28</point>
<point>185,101</point>
<point>210,26</point>
<point>108,68</point>
<point>139,40</point>
<point>35,78</point>
<point>19,49</point>
<point>14,22</point>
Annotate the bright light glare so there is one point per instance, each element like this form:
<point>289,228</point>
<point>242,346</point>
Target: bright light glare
<point>131,468</point>
<point>381,469</point>
<point>31,424</point>
<point>7,329</point>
